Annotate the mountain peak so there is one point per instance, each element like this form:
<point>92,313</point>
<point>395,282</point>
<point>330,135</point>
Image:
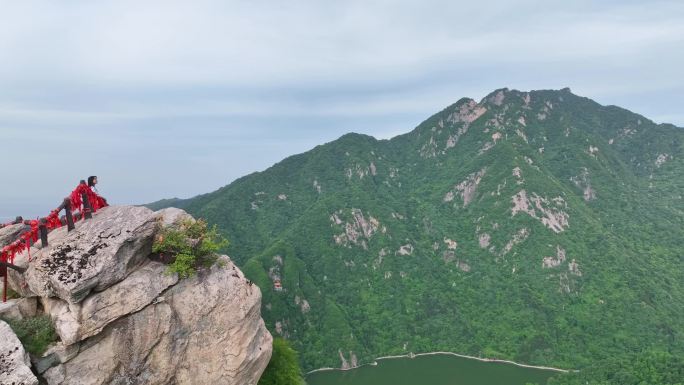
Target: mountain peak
<point>499,96</point>
<point>495,97</point>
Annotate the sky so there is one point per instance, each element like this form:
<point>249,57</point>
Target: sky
<point>171,98</point>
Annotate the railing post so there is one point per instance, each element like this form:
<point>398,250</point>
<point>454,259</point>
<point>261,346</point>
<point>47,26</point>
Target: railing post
<point>43,232</point>
<point>87,209</point>
<point>69,216</point>
<point>4,286</point>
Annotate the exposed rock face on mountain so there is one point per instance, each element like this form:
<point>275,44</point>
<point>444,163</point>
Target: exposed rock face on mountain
<point>122,319</point>
<point>536,226</point>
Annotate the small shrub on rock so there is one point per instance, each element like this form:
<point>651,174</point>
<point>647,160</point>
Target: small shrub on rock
<point>189,246</point>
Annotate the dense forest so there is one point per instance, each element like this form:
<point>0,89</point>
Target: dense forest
<point>653,368</point>
<point>540,227</point>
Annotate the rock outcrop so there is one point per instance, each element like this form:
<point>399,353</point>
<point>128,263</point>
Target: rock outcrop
<point>18,308</point>
<point>17,281</point>
<point>76,323</point>
<point>15,366</point>
<point>204,330</point>
<point>122,319</point>
<point>10,233</point>
<point>101,253</point>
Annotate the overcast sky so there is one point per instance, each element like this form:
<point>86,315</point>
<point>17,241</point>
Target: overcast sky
<point>172,99</point>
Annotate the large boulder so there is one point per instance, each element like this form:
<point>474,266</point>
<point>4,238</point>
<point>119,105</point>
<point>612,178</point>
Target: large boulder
<point>76,322</point>
<point>220,328</point>
<point>172,216</point>
<point>16,281</point>
<point>10,310</point>
<point>15,365</point>
<point>97,254</point>
<point>18,308</point>
<point>56,354</point>
<point>204,330</point>
<point>9,234</point>
<point>123,319</point>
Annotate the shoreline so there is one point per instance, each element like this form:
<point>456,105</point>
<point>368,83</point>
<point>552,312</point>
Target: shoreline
<point>412,355</point>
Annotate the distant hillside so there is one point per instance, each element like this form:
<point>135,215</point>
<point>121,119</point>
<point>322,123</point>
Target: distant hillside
<point>536,226</point>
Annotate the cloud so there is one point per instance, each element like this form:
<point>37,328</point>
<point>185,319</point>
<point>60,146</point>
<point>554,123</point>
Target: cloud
<point>267,43</point>
<point>195,80</point>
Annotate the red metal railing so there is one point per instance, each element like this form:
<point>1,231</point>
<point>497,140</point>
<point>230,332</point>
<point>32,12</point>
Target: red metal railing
<point>82,198</point>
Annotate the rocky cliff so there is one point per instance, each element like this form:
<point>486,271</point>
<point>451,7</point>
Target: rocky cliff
<point>122,319</point>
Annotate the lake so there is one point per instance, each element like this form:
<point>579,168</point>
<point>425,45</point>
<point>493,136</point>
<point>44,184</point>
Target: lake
<point>440,369</point>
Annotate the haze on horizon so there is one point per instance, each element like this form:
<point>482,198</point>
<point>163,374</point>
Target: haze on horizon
<point>173,99</point>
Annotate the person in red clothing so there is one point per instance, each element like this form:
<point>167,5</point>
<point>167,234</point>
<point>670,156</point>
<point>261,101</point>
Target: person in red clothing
<point>101,202</point>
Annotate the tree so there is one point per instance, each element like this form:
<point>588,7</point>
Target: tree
<point>283,369</point>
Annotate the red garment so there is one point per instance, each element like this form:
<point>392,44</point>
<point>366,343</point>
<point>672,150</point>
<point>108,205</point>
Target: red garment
<point>96,201</point>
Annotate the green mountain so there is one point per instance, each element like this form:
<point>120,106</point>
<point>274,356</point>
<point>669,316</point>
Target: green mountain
<point>536,226</point>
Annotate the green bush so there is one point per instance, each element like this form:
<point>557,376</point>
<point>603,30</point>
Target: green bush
<point>189,246</point>
<point>34,333</point>
<point>283,369</point>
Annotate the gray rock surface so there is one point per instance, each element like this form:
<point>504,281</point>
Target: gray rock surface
<point>205,330</point>
<point>122,319</point>
<point>99,253</point>
<point>27,306</point>
<point>237,345</point>
<point>171,216</point>
<point>18,308</point>
<point>56,354</point>
<point>76,322</point>
<point>10,310</point>
<point>16,280</point>
<point>15,366</point>
<point>11,233</point>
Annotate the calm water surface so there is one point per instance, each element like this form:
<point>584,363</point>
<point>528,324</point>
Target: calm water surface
<point>433,370</point>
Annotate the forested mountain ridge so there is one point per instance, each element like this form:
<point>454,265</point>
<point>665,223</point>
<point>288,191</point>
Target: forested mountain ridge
<point>535,226</point>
